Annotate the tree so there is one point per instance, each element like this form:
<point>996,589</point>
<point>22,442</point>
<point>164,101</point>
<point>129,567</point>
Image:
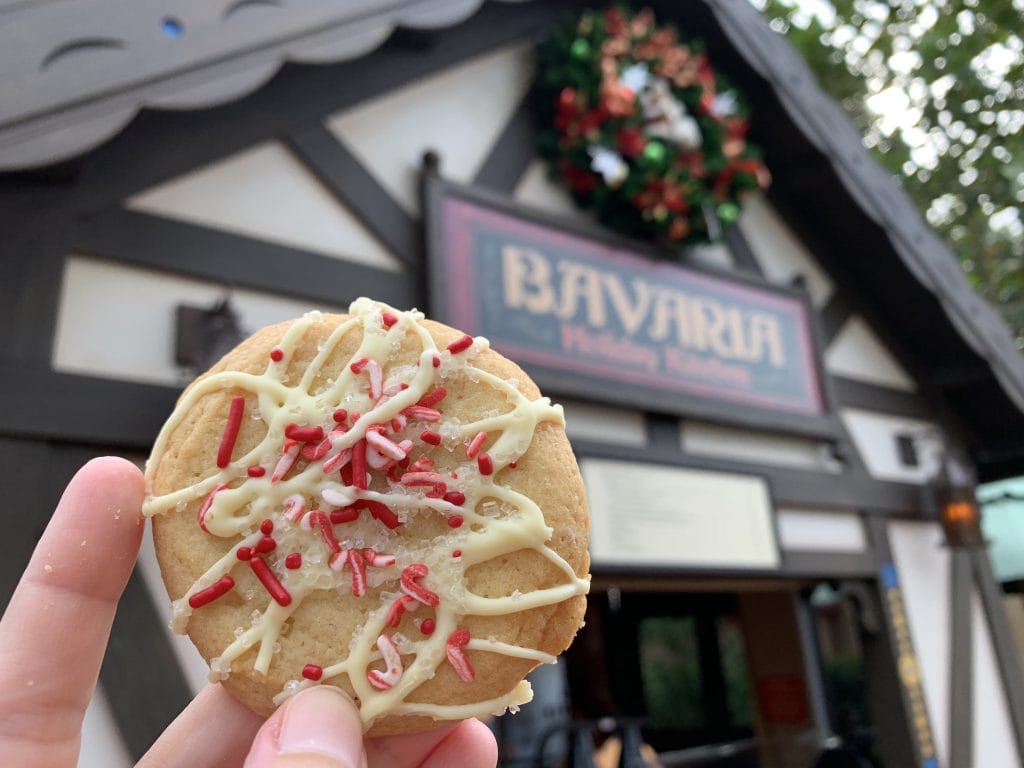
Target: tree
<point>937,88</point>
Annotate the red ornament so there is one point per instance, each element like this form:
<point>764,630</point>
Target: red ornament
<point>631,142</point>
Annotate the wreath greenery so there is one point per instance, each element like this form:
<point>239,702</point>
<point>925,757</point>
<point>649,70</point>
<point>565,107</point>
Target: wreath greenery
<point>641,129</point>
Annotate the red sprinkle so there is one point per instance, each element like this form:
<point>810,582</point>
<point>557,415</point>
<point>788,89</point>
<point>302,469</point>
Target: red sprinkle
<point>378,559</point>
<point>340,415</point>
<point>340,459</point>
<point>358,566</point>
<point>304,434</point>
<point>266,544</point>
<point>381,512</point>
<point>457,553</point>
<point>461,345</point>
<point>319,519</point>
<point>312,672</point>
<point>392,659</point>
<point>431,437</point>
<point>243,553</point>
<point>457,657</point>
<point>212,592</point>
<point>207,503</point>
<point>431,399</point>
<point>483,461</point>
<point>316,452</point>
<point>388,319</point>
<point>359,465</point>
<point>427,626</point>
<point>409,584</point>
<point>277,354</point>
<point>294,561</point>
<point>437,361</point>
<point>512,465</point>
<point>269,581</point>
<point>358,365</point>
<point>289,453</point>
<point>433,480</point>
<point>267,527</point>
<point>456,498</point>
<point>455,521</point>
<point>422,464</point>
<point>476,444</point>
<point>422,413</point>
<point>397,610</point>
<point>295,508</point>
<point>345,514</point>
<point>256,471</point>
<point>227,441</point>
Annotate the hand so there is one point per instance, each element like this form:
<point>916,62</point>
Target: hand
<point>56,627</point>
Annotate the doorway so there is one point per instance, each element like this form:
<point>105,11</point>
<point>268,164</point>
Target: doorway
<point>759,676</point>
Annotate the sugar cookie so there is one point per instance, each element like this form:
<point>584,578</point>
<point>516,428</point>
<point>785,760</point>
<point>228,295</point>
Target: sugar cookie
<point>373,501</point>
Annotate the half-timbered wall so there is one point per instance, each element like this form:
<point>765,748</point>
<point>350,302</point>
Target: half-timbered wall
<point>305,196</point>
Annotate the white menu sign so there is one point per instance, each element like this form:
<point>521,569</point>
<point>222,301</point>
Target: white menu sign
<point>643,514</point>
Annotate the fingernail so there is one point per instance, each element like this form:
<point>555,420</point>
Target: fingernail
<point>322,721</point>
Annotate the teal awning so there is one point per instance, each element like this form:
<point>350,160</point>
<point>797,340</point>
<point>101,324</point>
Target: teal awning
<point>1002,521</point>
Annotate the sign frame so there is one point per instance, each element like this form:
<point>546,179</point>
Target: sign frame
<point>437,192</point>
<point>601,562</point>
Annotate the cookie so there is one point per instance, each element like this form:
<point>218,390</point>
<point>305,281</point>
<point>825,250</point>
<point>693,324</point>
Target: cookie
<point>372,501</point>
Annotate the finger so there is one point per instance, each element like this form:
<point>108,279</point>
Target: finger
<point>470,744</point>
<point>56,626</point>
<point>214,730</point>
<point>316,728</point>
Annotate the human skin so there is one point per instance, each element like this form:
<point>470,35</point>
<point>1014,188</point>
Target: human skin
<point>55,630</point>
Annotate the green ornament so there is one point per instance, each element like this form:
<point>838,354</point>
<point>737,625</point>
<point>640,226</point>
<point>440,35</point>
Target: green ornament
<point>728,212</point>
<point>654,152</point>
<point>580,48</point>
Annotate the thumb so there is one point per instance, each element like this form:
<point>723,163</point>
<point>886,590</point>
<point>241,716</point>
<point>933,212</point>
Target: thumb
<point>316,728</point>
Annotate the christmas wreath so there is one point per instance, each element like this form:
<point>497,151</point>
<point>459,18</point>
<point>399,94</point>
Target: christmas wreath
<point>641,129</point>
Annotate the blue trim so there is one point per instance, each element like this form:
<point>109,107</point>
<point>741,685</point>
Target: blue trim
<point>172,28</point>
<point>931,762</point>
<point>889,578</point>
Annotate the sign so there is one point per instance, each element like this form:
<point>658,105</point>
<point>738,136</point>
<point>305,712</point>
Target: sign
<point>601,317</point>
<point>908,668</point>
<point>643,514</point>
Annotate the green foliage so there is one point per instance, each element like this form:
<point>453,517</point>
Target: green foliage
<point>937,87</point>
<point>670,667</point>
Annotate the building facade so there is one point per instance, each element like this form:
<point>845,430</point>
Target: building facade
<point>767,579</point>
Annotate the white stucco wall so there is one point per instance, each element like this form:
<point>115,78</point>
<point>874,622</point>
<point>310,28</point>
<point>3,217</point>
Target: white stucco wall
<point>116,321</point>
<point>994,742</point>
<point>809,530</point>
<point>459,113</point>
<point>102,745</point>
<point>264,192</point>
<point>923,566</point>
<point>857,353</point>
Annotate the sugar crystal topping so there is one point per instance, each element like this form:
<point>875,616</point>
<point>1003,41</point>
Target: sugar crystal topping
<point>321,503</point>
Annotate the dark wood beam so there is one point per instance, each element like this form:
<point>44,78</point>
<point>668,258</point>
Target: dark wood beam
<point>833,316</point>
<point>346,178</point>
<point>789,487</point>
<point>872,397</point>
<point>44,405</point>
<point>961,662</point>
<point>512,152</point>
<point>234,260</point>
<point>742,253</point>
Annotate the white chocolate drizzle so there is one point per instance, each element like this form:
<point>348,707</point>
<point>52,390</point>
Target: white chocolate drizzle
<point>382,395</point>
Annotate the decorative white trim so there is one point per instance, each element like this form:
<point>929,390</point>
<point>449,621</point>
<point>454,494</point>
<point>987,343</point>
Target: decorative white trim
<point>76,72</point>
